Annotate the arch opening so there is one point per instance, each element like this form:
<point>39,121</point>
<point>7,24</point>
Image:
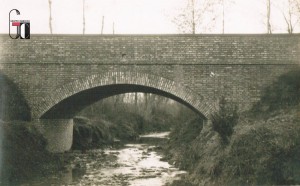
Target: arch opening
<point>67,100</point>
<point>69,107</point>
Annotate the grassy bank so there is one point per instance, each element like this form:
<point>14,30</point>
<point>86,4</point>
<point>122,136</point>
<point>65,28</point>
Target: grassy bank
<point>23,153</point>
<point>262,149</point>
<point>101,131</point>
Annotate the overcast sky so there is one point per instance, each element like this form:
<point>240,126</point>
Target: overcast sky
<point>130,16</point>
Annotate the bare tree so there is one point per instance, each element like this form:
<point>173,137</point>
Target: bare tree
<point>223,16</point>
<point>269,29</point>
<point>119,101</point>
<point>50,16</point>
<point>83,16</point>
<point>297,5</point>
<point>288,18</point>
<point>102,25</point>
<point>266,14</point>
<point>291,14</point>
<point>136,100</point>
<point>193,17</point>
<point>225,4</point>
<point>194,14</point>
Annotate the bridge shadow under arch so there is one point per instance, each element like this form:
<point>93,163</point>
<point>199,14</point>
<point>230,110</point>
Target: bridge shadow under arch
<point>66,101</point>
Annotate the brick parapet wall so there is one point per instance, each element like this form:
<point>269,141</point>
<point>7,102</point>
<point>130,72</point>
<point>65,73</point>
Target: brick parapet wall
<point>152,49</point>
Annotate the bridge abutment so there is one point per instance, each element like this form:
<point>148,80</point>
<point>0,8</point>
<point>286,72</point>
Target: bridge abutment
<point>57,132</point>
<point>207,125</point>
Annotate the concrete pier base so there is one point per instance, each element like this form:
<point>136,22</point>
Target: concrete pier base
<point>57,132</point>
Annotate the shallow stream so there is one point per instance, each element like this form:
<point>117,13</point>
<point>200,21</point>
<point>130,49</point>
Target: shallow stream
<point>134,164</point>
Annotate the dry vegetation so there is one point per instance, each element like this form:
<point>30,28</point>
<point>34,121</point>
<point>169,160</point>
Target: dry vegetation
<point>264,148</point>
<point>123,117</point>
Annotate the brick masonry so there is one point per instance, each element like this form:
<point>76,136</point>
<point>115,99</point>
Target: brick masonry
<point>196,69</point>
<point>58,132</point>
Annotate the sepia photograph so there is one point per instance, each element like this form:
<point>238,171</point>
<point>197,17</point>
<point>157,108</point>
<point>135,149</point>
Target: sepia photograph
<point>149,92</point>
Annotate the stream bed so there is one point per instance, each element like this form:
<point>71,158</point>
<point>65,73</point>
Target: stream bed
<point>136,164</point>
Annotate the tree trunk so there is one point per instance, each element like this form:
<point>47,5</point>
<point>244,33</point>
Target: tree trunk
<point>269,29</point>
<point>136,101</point>
<point>223,16</point>
<point>193,17</point>
<point>50,16</point>
<point>102,26</point>
<point>83,17</point>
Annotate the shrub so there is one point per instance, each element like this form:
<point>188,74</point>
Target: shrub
<point>225,119</point>
<point>264,156</point>
<point>181,138</point>
<point>282,93</point>
<point>91,133</point>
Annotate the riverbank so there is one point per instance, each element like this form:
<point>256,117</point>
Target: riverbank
<point>23,153</point>
<point>263,148</point>
<point>259,152</point>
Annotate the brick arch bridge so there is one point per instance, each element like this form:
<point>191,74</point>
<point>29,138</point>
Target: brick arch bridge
<point>55,73</point>
<point>67,100</point>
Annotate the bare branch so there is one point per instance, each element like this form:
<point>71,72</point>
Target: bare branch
<point>191,17</point>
